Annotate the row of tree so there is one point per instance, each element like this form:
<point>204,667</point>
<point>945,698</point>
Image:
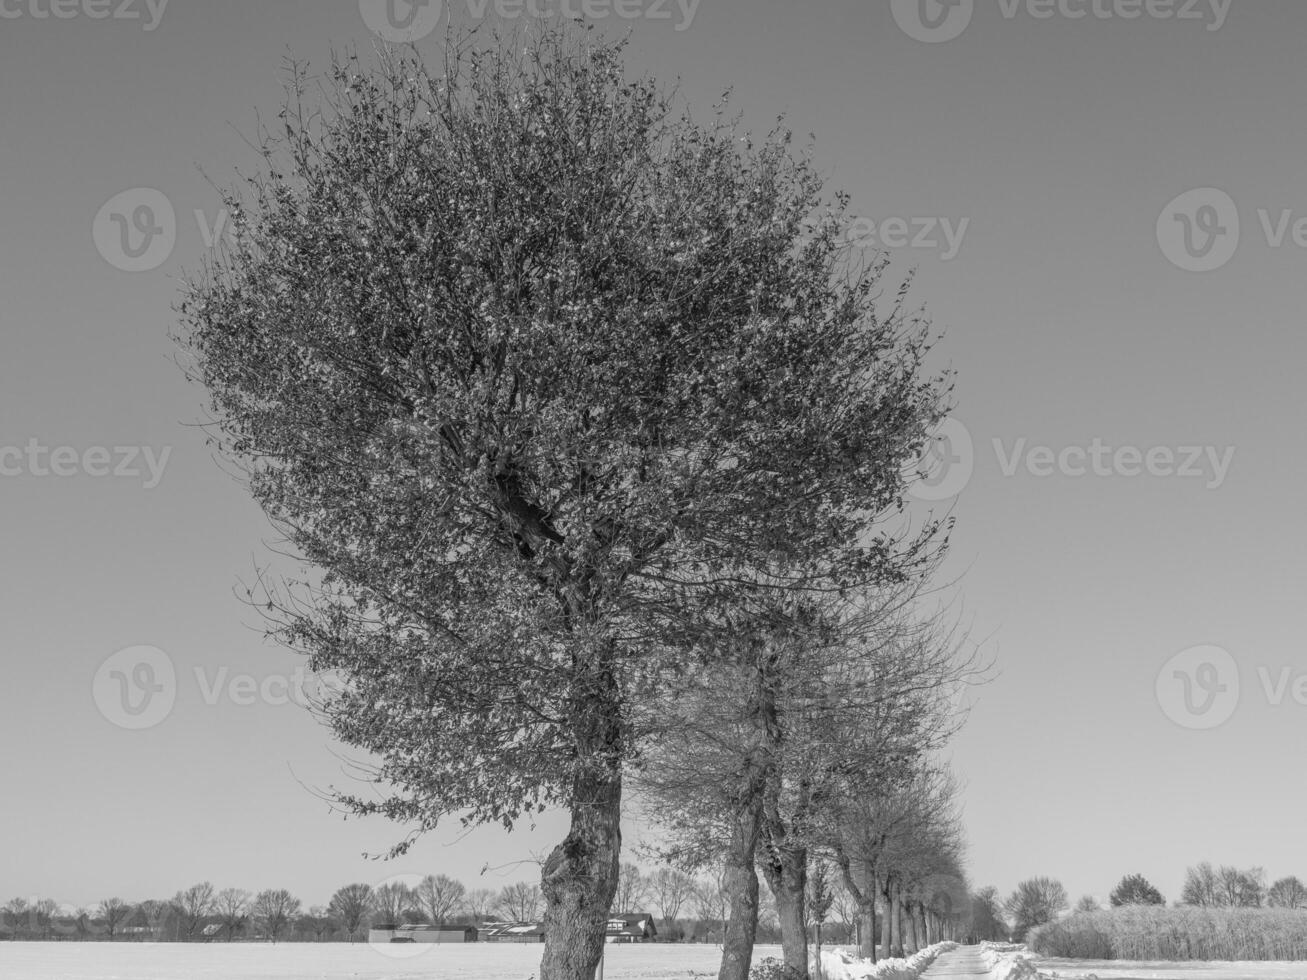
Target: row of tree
<point>600,440</point>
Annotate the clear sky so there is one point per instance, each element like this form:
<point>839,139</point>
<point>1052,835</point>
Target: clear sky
<point>1059,141</point>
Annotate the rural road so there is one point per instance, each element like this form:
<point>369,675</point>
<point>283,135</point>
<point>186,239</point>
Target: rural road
<point>963,963</point>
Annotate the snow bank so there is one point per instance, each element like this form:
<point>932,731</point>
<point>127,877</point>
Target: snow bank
<point>1009,961</point>
<point>838,964</point>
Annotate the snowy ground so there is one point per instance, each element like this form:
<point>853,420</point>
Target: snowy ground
<point>337,961</point>
<point>1130,970</point>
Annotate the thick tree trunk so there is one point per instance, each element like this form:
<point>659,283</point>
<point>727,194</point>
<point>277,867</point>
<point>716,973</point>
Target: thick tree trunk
<point>910,929</point>
<point>579,878</point>
<point>787,877</point>
<point>741,886</point>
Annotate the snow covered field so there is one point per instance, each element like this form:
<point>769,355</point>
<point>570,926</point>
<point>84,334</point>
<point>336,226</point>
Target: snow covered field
<point>336,961</point>
<point>1129,970</point>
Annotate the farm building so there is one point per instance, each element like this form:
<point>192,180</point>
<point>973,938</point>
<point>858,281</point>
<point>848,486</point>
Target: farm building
<point>513,932</point>
<point>422,933</point>
<point>631,927</point>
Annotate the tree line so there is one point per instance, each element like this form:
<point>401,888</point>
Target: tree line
<point>1040,900</point>
<point>601,443</point>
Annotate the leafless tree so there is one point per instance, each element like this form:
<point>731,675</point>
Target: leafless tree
<point>439,896</point>
<point>1287,893</point>
<point>480,902</point>
<point>671,889</point>
<point>519,902</point>
<point>351,905</point>
<point>232,906</point>
<point>1200,886</point>
<point>1035,902</point>
<point>391,901</point>
<point>113,912</point>
<point>273,909</point>
<point>632,889</point>
<point>192,906</point>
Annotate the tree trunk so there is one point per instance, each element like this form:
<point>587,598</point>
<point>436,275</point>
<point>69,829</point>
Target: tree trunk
<point>787,877</point>
<point>910,945</point>
<point>886,945</point>
<point>741,886</point>
<point>579,878</point>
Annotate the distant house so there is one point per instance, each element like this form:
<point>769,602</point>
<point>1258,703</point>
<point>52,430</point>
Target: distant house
<point>421,933</point>
<point>631,927</point>
<point>513,932</point>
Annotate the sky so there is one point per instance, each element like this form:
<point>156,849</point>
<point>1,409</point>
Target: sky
<point>1102,212</point>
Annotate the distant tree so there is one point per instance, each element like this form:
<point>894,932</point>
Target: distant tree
<point>987,915</point>
<point>480,903</point>
<point>711,901</point>
<point>113,912</point>
<point>273,909</point>
<point>846,911</point>
<point>1135,890</point>
<point>671,888</point>
<point>232,906</point>
<point>1200,886</point>
<point>632,888</point>
<point>821,896</point>
<point>439,896</point>
<point>192,905</point>
<point>391,901</point>
<point>519,902</point>
<point>158,913</point>
<point>351,905</point>
<point>1034,902</point>
<point>17,909</point>
<point>43,912</point>
<point>1241,888</point>
<point>1287,893</point>
<point>1088,903</point>
<point>316,921</point>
